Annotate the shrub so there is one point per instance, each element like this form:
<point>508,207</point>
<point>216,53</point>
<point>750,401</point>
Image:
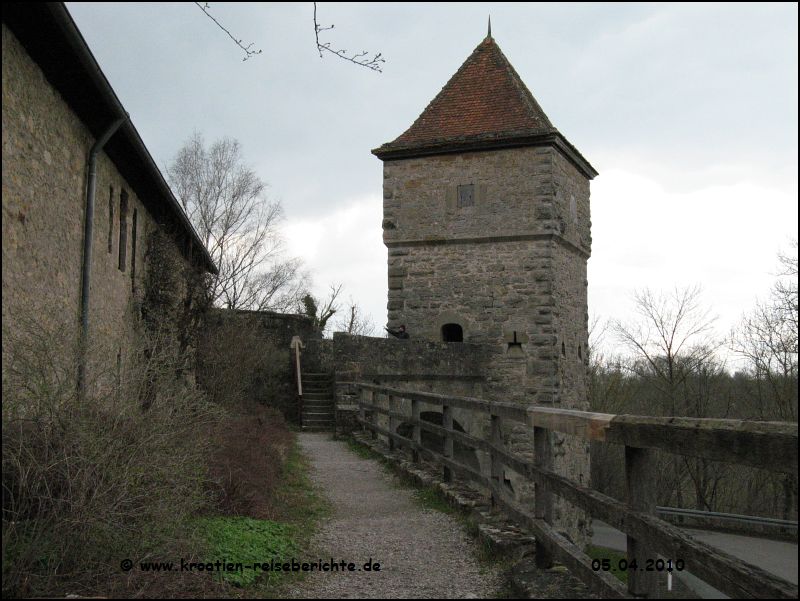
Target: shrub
<point>238,363</point>
<point>87,483</point>
<point>251,448</point>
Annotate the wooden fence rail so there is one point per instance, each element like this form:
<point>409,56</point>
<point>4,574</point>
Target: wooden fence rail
<point>766,445</point>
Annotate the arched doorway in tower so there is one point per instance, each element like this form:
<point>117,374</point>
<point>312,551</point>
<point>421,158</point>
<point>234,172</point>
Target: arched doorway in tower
<point>452,332</point>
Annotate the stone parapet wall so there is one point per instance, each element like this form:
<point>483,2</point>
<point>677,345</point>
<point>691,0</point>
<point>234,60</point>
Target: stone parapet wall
<point>391,359</point>
<point>260,354</point>
<point>446,368</point>
<point>317,355</point>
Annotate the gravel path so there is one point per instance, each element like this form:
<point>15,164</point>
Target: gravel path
<point>422,553</point>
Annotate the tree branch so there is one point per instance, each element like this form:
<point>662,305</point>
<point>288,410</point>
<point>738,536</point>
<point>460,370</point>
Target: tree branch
<point>247,49</point>
<point>358,58</point>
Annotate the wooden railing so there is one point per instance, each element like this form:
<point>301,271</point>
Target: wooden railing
<point>296,344</point>
<point>767,445</point>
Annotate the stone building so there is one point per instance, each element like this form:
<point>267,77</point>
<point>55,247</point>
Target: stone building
<point>486,220</point>
<point>57,104</point>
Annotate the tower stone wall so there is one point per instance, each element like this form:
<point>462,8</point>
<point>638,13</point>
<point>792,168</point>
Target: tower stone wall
<point>510,269</point>
<point>488,228</point>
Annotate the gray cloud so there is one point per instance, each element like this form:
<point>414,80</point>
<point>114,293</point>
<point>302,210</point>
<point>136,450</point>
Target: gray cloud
<point>686,95</point>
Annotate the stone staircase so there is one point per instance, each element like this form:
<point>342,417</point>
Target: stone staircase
<point>318,402</point>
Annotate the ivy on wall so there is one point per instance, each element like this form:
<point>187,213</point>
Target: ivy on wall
<point>173,305</point>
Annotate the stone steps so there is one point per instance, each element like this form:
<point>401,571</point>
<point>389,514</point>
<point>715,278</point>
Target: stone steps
<point>318,402</point>
<point>325,401</point>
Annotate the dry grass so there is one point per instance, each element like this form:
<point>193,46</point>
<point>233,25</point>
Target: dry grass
<point>250,450</point>
<point>125,473</point>
<point>89,482</point>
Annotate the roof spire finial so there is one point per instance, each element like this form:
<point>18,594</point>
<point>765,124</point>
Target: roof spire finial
<point>489,35</point>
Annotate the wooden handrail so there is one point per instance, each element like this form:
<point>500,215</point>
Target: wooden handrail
<point>723,440</point>
<point>299,373</point>
<point>766,445</point>
<point>297,344</point>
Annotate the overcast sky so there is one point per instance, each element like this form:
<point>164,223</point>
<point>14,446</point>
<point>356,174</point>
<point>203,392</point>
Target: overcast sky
<point>688,111</point>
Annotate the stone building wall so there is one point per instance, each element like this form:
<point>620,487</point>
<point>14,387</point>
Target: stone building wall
<point>45,150</point>
<point>514,264</point>
<point>420,195</point>
<point>571,454</point>
<point>572,209</point>
<point>439,266</point>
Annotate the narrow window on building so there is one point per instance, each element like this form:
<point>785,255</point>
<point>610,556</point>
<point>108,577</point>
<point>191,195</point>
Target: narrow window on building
<point>466,196</point>
<point>110,219</point>
<point>563,350</point>
<point>123,229</point>
<point>452,332</point>
<point>118,375</point>
<point>580,353</point>
<point>133,249</point>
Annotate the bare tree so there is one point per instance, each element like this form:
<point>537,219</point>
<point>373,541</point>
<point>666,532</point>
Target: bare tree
<point>674,355</point>
<point>224,199</point>
<point>767,340</point>
<point>785,292</point>
<point>610,389</point>
<point>671,338</point>
<point>321,310</point>
<point>609,392</point>
<point>355,322</point>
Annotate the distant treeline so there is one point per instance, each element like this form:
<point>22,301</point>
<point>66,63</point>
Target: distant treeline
<point>670,365</point>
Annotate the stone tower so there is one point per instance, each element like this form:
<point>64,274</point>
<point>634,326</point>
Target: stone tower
<point>486,219</point>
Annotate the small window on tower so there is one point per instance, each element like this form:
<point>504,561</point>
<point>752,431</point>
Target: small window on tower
<point>452,332</point>
<point>466,196</point>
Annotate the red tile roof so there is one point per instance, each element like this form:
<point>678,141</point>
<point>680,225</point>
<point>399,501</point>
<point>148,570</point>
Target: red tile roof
<point>485,99</point>
<point>484,106</point>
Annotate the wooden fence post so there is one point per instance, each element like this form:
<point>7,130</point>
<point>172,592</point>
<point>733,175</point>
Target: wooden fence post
<point>416,432</point>
<point>543,509</point>
<point>447,422</point>
<point>496,473</point>
<point>639,467</point>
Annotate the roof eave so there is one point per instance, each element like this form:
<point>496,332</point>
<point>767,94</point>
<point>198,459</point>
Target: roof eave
<point>126,143</point>
<point>393,151</point>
